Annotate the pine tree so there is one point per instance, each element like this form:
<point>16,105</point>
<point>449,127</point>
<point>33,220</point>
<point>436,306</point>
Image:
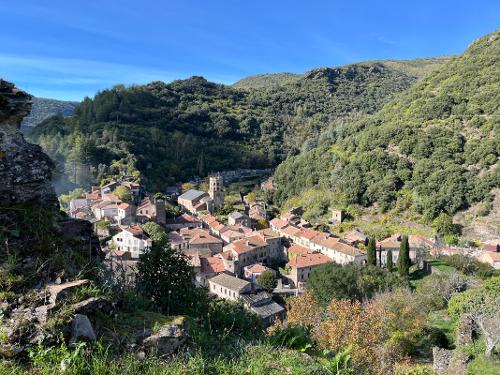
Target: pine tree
<point>372,252</point>
<point>389,263</point>
<point>404,257</point>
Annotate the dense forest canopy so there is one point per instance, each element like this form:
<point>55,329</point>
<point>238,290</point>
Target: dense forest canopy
<point>433,148</point>
<point>192,127</point>
<point>44,108</point>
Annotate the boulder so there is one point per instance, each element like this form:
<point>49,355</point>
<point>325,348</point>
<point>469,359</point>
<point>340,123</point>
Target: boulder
<point>81,329</point>
<point>168,338</point>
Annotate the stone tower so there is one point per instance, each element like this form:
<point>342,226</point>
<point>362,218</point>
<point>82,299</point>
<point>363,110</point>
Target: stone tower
<point>216,190</point>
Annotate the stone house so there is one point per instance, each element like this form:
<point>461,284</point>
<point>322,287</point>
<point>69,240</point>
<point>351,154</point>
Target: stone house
<point>183,221</point>
<point>125,214</point>
<point>228,287</point>
<point>419,247</point>
<point>238,218</point>
<point>336,216</point>
<point>151,209</point>
<point>209,267</point>
<point>302,265</point>
<point>356,237</point>
<point>246,251</point>
<point>200,239</point>
<point>195,201</point>
<point>257,211</point>
<point>273,240</point>
<point>133,240</point>
<point>262,304</point>
<point>233,233</point>
<point>253,271</point>
<point>234,289</point>
<point>105,210</point>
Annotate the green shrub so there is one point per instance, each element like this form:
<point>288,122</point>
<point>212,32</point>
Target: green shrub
<point>292,337</point>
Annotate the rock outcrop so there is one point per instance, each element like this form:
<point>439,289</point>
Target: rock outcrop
<point>168,338</point>
<point>41,241</point>
<point>25,171</point>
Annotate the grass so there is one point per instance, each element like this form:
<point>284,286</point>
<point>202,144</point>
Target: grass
<point>441,320</point>
<point>483,366</point>
<point>254,360</point>
<point>442,266</point>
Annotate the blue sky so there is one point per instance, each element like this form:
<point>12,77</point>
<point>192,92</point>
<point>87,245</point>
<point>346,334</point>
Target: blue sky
<point>73,48</point>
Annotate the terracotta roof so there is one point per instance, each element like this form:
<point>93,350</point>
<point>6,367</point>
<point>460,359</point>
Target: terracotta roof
<point>298,250</point>
<point>291,231</point>
<point>326,241</point>
<point>212,265</point>
<point>355,235</point>
<point>134,229</point>
<point>145,202</point>
<point>204,238</point>
<point>209,219</point>
<point>309,260</point>
<point>226,255</point>
<point>267,233</point>
<point>184,218</point>
<point>308,233</point>
<point>278,223</point>
<point>256,268</point>
<point>347,249</point>
<point>123,206</point>
<point>247,244</point>
<point>111,197</point>
<point>390,242</point>
<point>94,196</point>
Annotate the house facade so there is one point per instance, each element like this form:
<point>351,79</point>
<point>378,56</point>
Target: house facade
<point>133,240</point>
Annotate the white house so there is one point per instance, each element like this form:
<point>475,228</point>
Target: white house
<point>133,240</point>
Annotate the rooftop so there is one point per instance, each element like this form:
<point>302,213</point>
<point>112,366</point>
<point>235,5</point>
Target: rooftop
<point>247,244</point>
<point>309,260</point>
<point>192,195</point>
<point>256,268</point>
<point>278,223</point>
<point>212,265</point>
<point>229,282</point>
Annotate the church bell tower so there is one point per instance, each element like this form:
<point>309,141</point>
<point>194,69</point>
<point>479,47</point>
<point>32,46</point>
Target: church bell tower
<point>216,190</point>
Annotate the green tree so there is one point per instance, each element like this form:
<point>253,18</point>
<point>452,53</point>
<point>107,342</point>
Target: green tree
<point>389,263</point>
<point>156,232</point>
<point>123,193</point>
<point>165,276</point>
<point>404,257</point>
<point>372,252</point>
<point>267,280</point>
<point>443,224</point>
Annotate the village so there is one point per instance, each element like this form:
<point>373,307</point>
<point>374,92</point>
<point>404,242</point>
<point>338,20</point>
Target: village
<point>229,253</point>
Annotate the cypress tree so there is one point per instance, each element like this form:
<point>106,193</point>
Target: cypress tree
<point>372,252</point>
<point>389,263</point>
<point>404,257</point>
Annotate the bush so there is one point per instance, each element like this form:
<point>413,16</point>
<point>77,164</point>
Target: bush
<point>292,337</point>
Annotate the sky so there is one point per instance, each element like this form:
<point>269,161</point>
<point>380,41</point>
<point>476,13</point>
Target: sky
<point>69,49</point>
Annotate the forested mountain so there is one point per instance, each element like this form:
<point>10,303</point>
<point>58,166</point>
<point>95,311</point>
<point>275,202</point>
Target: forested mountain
<point>417,68</point>
<point>44,108</point>
<point>191,127</point>
<point>267,80</point>
<point>433,148</point>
